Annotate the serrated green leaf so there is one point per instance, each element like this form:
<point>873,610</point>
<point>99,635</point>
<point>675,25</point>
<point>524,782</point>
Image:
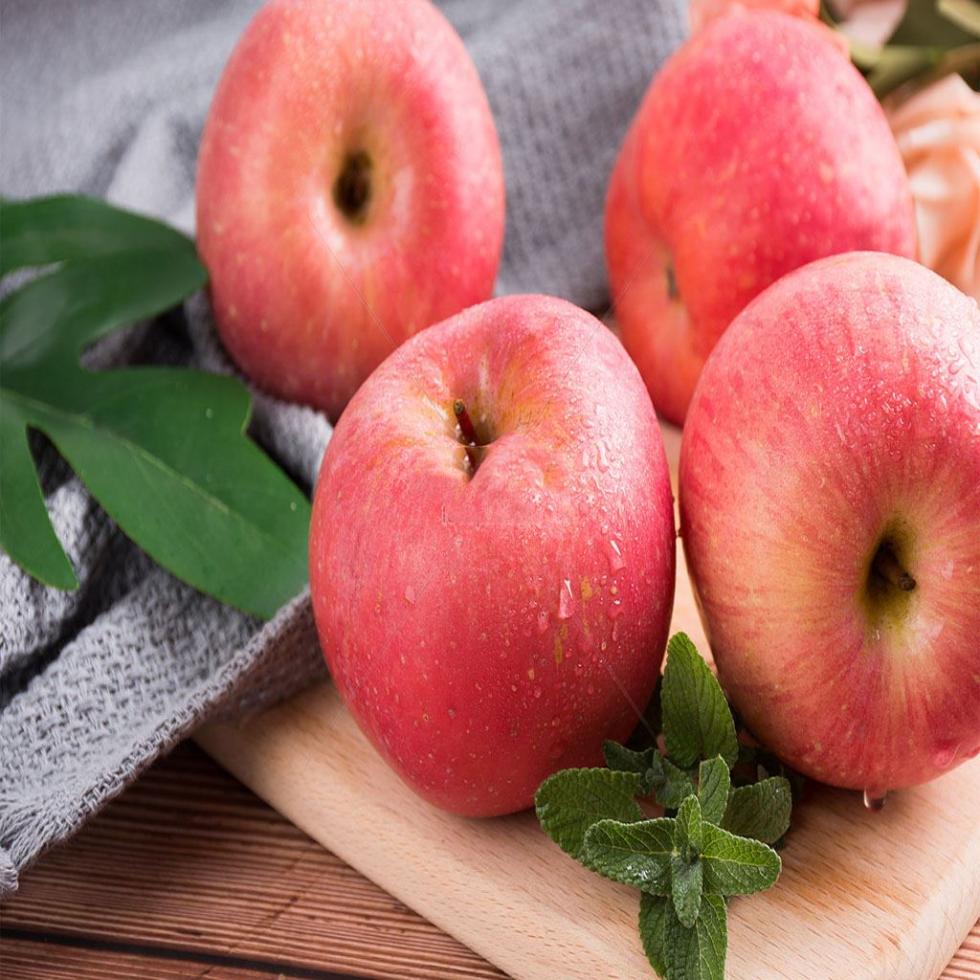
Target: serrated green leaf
<point>672,784</point>
<point>698,952</point>
<point>653,930</point>
<point>697,721</point>
<point>714,784</point>
<point>622,759</point>
<point>736,865</point>
<point>686,888</point>
<point>688,827</point>
<point>162,449</point>
<point>636,854</point>
<point>572,800</point>
<point>760,810</point>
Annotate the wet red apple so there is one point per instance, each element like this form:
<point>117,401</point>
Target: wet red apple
<point>492,552</point>
<point>350,191</point>
<point>757,149</point>
<point>830,512</point>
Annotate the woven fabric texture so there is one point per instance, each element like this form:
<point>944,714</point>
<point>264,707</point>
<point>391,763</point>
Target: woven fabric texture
<point>109,98</point>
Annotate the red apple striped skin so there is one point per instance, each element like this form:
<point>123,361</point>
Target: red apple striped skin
<point>757,149</point>
<point>308,299</point>
<point>841,412</point>
<point>489,629</point>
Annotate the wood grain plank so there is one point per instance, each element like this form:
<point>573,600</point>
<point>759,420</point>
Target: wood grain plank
<point>189,860</point>
<point>859,895</point>
<point>95,890</point>
<point>24,959</point>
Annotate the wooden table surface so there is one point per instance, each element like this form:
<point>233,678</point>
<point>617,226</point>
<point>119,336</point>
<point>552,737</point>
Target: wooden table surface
<point>188,874</point>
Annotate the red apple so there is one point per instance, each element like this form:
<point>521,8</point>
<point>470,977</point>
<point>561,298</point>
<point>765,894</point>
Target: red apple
<point>491,614</point>
<point>830,512</point>
<point>350,191</point>
<point>757,149</point>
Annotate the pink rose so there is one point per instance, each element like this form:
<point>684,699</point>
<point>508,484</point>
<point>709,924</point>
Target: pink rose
<point>938,132</point>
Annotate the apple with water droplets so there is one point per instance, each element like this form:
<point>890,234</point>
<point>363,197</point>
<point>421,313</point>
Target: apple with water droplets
<point>757,149</point>
<point>350,191</point>
<point>830,514</point>
<point>492,552</point>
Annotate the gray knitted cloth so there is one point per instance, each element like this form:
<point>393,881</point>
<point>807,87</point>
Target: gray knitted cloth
<point>108,98</point>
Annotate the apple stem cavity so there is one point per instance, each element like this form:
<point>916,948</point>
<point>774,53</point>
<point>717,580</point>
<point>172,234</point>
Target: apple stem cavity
<point>888,568</point>
<point>673,292</point>
<point>352,188</point>
<point>468,432</point>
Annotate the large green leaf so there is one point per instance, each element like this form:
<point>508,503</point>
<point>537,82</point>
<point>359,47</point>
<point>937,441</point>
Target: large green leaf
<point>163,450</point>
<point>53,229</point>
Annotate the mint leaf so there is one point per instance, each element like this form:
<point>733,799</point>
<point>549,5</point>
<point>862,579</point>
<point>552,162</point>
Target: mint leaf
<point>572,800</point>
<point>636,854</point>
<point>622,759</point>
<point>685,888</point>
<point>672,785</point>
<point>736,865</point>
<point>714,784</point>
<point>163,450</point>
<point>698,952</point>
<point>653,930</point>
<point>688,828</point>
<point>697,721</point>
<point>760,810</point>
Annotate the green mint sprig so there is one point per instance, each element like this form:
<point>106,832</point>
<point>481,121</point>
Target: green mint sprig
<point>162,449</point>
<point>712,843</point>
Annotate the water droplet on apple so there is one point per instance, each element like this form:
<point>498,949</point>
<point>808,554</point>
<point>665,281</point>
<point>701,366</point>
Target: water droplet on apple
<point>944,756</point>
<point>410,595</point>
<point>875,800</point>
<point>615,608</point>
<point>566,600</point>
<point>616,561</point>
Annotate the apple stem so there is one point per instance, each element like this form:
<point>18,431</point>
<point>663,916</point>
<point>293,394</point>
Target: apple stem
<point>468,432</point>
<point>887,567</point>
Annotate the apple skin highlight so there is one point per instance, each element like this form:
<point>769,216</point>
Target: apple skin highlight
<point>841,412</point>
<point>309,299</point>
<point>488,628</point>
<point>758,148</point>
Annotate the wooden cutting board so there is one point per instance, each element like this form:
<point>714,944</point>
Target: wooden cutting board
<point>886,895</point>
